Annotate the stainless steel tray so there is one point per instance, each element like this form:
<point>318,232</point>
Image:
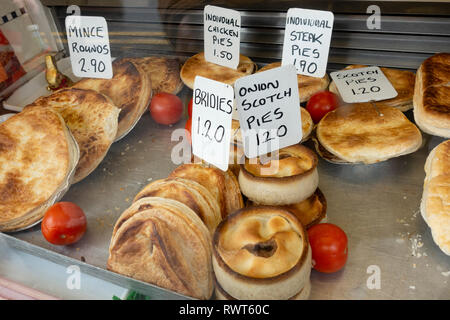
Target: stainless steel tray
<point>377,205</point>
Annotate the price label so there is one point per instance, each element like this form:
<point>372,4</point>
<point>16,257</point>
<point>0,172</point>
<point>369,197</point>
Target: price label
<point>88,42</point>
<point>222,34</point>
<point>269,110</point>
<point>212,109</point>
<point>307,39</point>
<point>363,85</point>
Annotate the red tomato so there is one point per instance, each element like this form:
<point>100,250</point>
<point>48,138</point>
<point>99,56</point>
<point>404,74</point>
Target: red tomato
<point>190,108</point>
<point>329,247</point>
<point>166,108</point>
<point>321,103</point>
<point>188,128</point>
<point>64,223</point>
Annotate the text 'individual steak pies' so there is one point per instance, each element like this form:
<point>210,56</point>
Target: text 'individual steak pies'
<point>189,192</point>
<point>129,89</point>
<point>261,253</point>
<point>309,212</point>
<point>367,133</point>
<point>222,185</point>
<point>164,73</point>
<point>288,176</point>
<point>198,66</point>
<point>402,81</point>
<point>91,117</point>
<point>432,95</point>
<point>435,205</point>
<point>38,156</point>
<point>163,242</point>
<point>307,86</point>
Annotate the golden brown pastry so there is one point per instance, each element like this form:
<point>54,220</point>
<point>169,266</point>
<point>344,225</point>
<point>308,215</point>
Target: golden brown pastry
<point>223,185</point>
<point>432,95</point>
<point>290,177</point>
<point>309,212</point>
<point>307,86</point>
<point>189,192</point>
<point>129,90</point>
<point>198,66</point>
<point>38,156</point>
<point>237,158</point>
<point>91,117</point>
<point>435,205</point>
<point>163,72</point>
<point>364,133</point>
<point>261,253</point>
<point>163,242</point>
<point>402,81</point>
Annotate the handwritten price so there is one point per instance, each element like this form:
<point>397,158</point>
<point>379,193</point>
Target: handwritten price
<point>98,65</point>
<point>214,134</point>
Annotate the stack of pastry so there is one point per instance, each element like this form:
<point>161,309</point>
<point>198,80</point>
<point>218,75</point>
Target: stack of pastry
<point>261,253</point>
<point>283,198</point>
<point>435,205</point>
<point>92,119</point>
<point>237,149</point>
<point>163,242</point>
<point>290,176</point>
<point>175,217</point>
<point>38,156</point>
<point>288,180</point>
<point>130,90</point>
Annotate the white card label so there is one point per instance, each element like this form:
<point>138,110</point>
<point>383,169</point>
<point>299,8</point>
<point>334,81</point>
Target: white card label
<point>307,39</point>
<point>212,108</point>
<point>222,36</point>
<point>269,110</point>
<point>363,85</point>
<point>88,41</point>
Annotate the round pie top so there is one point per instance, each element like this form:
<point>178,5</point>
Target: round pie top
<point>307,86</point>
<point>198,66</point>
<point>260,242</point>
<point>290,161</point>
